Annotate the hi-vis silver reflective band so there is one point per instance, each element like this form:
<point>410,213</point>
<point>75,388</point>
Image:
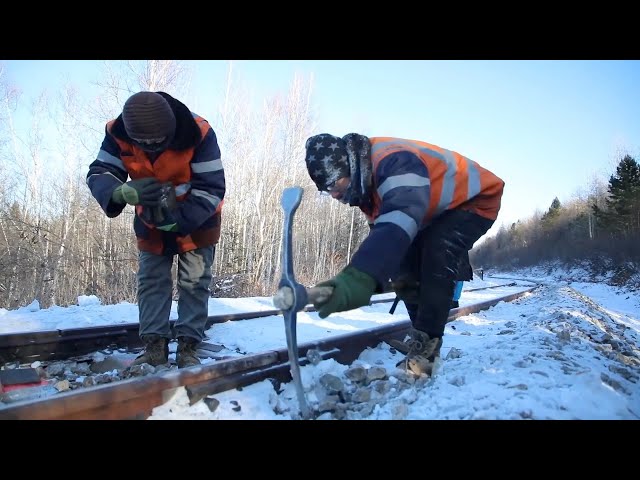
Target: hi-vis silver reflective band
<point>185,187</point>
<point>182,188</point>
<point>106,157</point>
<point>105,173</point>
<point>404,180</point>
<point>402,220</point>
<point>215,201</point>
<point>449,184</point>
<point>208,166</point>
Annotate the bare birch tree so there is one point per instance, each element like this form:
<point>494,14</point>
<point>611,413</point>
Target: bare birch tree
<point>57,244</point>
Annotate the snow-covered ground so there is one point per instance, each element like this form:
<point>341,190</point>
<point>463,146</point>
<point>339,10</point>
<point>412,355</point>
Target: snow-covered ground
<point>569,350</point>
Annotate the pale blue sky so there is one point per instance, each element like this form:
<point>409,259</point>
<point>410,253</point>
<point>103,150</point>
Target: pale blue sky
<point>545,127</point>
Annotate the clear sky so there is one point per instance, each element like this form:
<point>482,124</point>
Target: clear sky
<point>551,355</point>
<point>545,127</point>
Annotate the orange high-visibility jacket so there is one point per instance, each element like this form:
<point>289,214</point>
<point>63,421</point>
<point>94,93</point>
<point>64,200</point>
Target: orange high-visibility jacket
<point>414,182</point>
<point>191,163</point>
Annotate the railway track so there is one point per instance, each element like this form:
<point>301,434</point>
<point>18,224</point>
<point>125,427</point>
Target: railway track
<point>61,344</point>
<point>135,398</point>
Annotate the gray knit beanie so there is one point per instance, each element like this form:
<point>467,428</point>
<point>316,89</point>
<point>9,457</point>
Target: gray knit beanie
<point>147,115</point>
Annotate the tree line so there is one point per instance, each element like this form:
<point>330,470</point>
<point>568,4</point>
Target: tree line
<point>56,243</point>
<point>599,230</point>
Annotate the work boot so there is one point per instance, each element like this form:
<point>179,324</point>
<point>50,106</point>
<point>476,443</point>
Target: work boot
<point>401,346</point>
<point>424,353</point>
<point>156,351</point>
<point>186,354</point>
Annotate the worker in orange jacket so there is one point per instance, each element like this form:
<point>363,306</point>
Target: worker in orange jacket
<point>426,206</point>
<point>177,187</point>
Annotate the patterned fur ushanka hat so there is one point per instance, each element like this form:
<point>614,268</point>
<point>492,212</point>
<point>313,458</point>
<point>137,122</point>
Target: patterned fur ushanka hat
<point>326,159</point>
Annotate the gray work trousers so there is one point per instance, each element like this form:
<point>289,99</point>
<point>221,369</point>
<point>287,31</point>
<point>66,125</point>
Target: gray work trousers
<point>155,287</point>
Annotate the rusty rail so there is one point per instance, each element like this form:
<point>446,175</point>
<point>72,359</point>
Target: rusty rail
<point>61,344</point>
<point>136,398</point>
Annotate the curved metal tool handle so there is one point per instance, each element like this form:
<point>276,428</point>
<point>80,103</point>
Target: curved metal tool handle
<point>290,201</point>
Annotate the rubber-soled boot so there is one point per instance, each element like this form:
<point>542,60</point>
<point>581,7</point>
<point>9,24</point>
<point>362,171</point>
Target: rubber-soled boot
<point>156,351</point>
<point>186,354</point>
<point>424,353</point>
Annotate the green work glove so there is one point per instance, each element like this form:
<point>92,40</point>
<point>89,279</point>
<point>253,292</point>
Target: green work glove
<point>144,191</point>
<point>351,289</point>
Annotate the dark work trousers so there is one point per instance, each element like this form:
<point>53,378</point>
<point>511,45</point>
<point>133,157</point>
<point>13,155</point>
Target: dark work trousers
<point>434,258</point>
<point>155,287</point>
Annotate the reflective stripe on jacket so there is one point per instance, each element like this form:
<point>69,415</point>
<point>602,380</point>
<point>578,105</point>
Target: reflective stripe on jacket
<point>413,183</point>
<point>175,167</point>
<point>454,180</point>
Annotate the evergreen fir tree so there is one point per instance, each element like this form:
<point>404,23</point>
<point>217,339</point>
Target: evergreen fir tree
<point>624,196</point>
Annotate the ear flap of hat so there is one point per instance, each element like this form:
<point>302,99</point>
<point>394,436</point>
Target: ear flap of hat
<point>326,159</point>
<point>358,149</point>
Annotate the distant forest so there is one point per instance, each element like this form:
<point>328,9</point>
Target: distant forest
<point>601,227</point>
<point>57,244</point>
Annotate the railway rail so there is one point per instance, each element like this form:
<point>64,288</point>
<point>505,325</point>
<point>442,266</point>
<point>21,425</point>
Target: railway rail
<point>135,398</point>
<point>61,344</point>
